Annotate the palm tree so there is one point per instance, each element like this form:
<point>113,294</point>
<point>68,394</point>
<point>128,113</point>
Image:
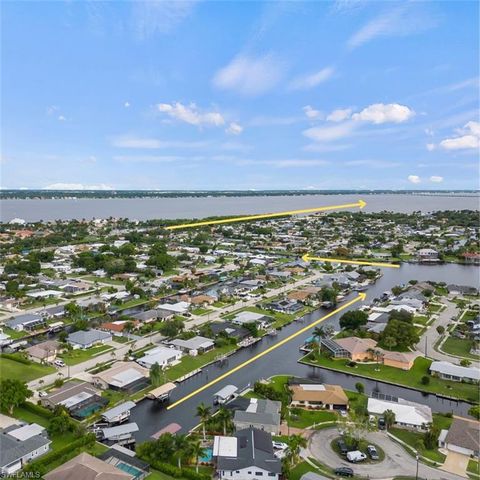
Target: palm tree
<point>204,413</point>
<point>378,355</point>
<point>224,415</point>
<point>182,448</point>
<point>197,451</point>
<point>296,443</point>
<point>389,417</point>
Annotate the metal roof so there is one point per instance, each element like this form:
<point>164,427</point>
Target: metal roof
<point>123,429</point>
<point>118,410</point>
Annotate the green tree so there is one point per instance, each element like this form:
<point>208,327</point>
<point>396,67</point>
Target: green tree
<point>204,413</point>
<point>353,319</point>
<point>14,393</point>
<point>296,443</point>
<point>155,375</point>
<point>430,437</point>
<point>224,415</point>
<point>389,417</point>
<point>183,448</point>
<point>359,387</point>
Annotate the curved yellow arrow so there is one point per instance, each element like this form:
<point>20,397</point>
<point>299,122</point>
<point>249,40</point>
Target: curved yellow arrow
<point>360,296</point>
<point>359,204</point>
<point>308,258</point>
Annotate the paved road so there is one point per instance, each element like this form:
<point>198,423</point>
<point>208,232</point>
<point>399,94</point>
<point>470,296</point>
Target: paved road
<point>397,461</point>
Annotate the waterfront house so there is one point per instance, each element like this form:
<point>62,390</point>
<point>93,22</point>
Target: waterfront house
<point>355,348</point>
<point>316,395</point>
<point>44,351</point>
<point>246,317</point>
<point>427,255</point>
<point>462,437</point>
<point>455,373</point>
<point>248,455</point>
<point>88,338</point>
<point>20,445</point>
<point>194,345</point>
<point>122,376</point>
<point>261,414</point>
<point>285,306</point>
<point>162,355</point>
<point>27,321</point>
<point>407,414</point>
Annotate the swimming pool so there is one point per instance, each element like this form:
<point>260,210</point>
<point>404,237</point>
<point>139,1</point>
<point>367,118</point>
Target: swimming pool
<point>207,458</point>
<point>129,469</point>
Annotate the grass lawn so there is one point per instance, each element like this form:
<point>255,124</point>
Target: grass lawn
<point>412,438</point>
<point>130,303</point>
<point>20,371</point>
<point>14,334</point>
<point>30,417</point>
<point>114,397</point>
<point>474,467</point>
<point>280,319</point>
<point>411,378</point>
<point>459,346</point>
<point>78,356</point>
<point>469,315</point>
<point>305,418</point>
<point>420,319</point>
<point>201,311</point>
<point>188,363</point>
<point>108,281</point>
<point>435,308</point>
<point>118,339</point>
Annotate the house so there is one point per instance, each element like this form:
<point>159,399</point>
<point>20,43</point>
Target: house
<point>88,338</point>
<point>87,467</point>
<point>300,295</point>
<point>179,308</point>
<point>285,306</point>
<point>402,360</point>
<point>54,312</point>
<point>80,398</point>
<point>126,460</point>
<point>455,373</point>
<point>462,437</point>
<point>246,456</point>
<point>260,414</point>
<point>21,444</point>
<point>246,317</point>
<point>355,348</point>
<point>162,355</point>
<point>461,289</point>
<point>471,258</point>
<point>315,395</point>
<point>28,321</point>
<point>118,326</point>
<point>202,300</point>
<point>44,351</point>
<point>193,345</point>
<point>226,328</point>
<point>407,414</point>
<point>427,255</point>
<point>122,376</point>
<point>119,413</point>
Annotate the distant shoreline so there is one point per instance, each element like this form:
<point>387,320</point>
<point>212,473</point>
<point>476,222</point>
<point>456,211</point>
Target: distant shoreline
<point>20,194</point>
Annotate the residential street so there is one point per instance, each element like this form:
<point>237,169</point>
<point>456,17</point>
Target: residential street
<point>397,461</point>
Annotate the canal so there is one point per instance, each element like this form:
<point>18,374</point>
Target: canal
<point>151,417</point>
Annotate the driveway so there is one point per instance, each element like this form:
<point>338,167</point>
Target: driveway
<point>397,461</point>
<point>456,463</point>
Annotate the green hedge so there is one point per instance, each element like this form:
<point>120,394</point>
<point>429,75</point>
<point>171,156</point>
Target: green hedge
<point>16,358</point>
<point>179,472</point>
<point>38,410</point>
<point>62,454</point>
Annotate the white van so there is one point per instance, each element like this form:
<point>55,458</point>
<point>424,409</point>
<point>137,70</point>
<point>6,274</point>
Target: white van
<point>59,363</point>
<point>356,456</point>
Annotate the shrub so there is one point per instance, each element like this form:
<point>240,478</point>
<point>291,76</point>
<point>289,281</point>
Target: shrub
<point>16,358</point>
<point>37,409</point>
<point>178,472</point>
<point>425,380</point>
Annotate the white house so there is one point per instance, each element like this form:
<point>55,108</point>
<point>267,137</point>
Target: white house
<point>407,414</point>
<point>455,373</point>
<point>162,355</point>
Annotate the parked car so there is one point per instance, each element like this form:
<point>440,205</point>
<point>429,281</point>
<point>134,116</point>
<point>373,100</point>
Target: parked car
<point>279,445</point>
<point>344,472</point>
<point>356,456</point>
<point>343,413</point>
<point>42,394</point>
<point>59,363</point>
<point>342,446</point>
<point>381,424</point>
<point>372,452</point>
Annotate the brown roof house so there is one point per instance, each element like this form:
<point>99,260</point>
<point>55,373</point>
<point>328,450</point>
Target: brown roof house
<point>462,437</point>
<point>86,467</point>
<point>44,351</point>
<point>315,395</point>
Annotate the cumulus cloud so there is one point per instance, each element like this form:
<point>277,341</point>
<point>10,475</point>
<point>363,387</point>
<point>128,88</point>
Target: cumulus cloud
<point>339,115</point>
<point>130,141</point>
<point>126,104</point>
<point>311,112</point>
<point>467,138</point>
<point>414,179</point>
<point>436,179</point>
<point>329,133</point>
<point>191,114</point>
<point>61,118</point>
<point>234,129</point>
<point>77,186</point>
<point>384,113</point>
<point>249,75</point>
<point>305,82</point>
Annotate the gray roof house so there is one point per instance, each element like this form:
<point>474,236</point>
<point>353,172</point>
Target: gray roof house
<point>19,445</point>
<point>261,414</point>
<point>199,344</point>
<point>28,321</point>
<point>456,373</point>
<point>463,437</point>
<point>88,338</point>
<point>249,457</point>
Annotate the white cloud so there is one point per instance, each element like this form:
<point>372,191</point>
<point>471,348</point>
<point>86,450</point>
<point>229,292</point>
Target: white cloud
<point>77,186</point>
<point>404,20</point>
<point>126,104</point>
<point>52,109</point>
<point>249,75</point>
<point>305,82</point>
<point>234,129</point>
<point>127,141</point>
<point>414,179</point>
<point>191,114</point>
<point>147,158</point>
<point>159,16</point>
<point>384,113</point>
<point>436,179</point>
<point>61,118</point>
<point>468,138</point>
<point>267,121</point>
<point>327,134</point>
<point>319,147</point>
<point>430,147</point>
<point>311,112</point>
<point>339,115</point>
<point>284,163</point>
<point>372,163</point>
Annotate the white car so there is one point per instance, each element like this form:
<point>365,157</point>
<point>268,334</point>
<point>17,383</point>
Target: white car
<point>42,394</point>
<point>279,445</point>
<point>343,413</point>
<point>59,363</point>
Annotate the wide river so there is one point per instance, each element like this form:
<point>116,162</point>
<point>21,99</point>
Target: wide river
<point>33,210</point>
<point>152,417</point>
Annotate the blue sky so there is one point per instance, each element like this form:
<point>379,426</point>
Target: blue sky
<point>240,95</point>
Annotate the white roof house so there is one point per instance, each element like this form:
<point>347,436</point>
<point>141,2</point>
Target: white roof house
<point>162,355</point>
<point>450,371</point>
<point>406,413</point>
<point>179,307</point>
<point>247,317</point>
<point>224,446</point>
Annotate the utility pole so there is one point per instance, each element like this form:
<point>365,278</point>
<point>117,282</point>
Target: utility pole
<point>416,474</point>
<point>426,346</point>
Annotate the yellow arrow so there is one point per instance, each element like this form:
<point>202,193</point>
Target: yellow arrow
<point>360,296</point>
<point>308,258</point>
<point>359,204</point>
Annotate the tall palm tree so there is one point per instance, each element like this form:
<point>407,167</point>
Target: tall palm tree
<point>182,448</point>
<point>197,451</point>
<point>296,443</point>
<point>225,416</point>
<point>204,413</point>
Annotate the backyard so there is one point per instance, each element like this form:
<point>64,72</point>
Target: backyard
<point>459,347</point>
<point>10,368</point>
<point>75,357</point>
